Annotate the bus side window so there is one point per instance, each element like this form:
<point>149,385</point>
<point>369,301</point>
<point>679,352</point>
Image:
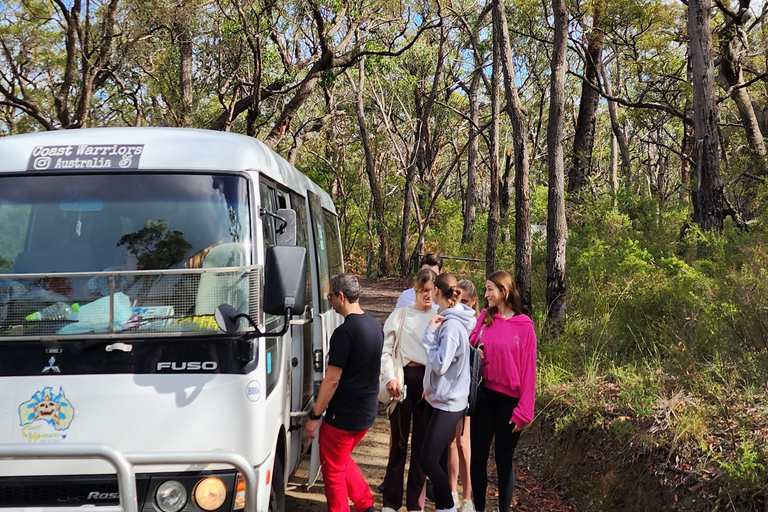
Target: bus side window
<point>335,259</point>
<point>268,202</point>
<point>298,205</point>
<point>321,248</point>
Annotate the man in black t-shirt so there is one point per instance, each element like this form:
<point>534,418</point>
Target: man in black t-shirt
<point>349,391</point>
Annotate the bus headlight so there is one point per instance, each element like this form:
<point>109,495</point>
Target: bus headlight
<point>210,493</point>
<point>171,496</point>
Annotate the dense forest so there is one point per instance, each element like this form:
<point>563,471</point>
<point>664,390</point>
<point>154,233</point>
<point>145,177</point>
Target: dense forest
<point>609,153</point>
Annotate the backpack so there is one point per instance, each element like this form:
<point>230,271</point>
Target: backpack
<point>475,376</point>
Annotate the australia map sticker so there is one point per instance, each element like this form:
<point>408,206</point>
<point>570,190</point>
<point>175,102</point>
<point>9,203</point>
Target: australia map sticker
<point>46,416</point>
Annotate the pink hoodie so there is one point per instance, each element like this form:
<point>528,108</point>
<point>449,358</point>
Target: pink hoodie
<point>509,362</point>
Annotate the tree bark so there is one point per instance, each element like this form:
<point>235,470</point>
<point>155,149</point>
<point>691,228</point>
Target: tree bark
<point>584,136</point>
<point>492,239</point>
<point>616,128</point>
<point>709,182</point>
<point>470,196</point>
<point>523,247</point>
<point>373,176</point>
<point>183,38</point>
<point>557,228</point>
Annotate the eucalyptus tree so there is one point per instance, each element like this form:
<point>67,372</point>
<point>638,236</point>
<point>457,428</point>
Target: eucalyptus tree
<point>514,108</point>
<point>316,41</point>
<point>709,184</point>
<point>57,57</point>
<point>557,228</point>
<point>372,172</point>
<point>493,199</point>
<point>472,21</point>
<point>584,133</point>
<point>737,49</point>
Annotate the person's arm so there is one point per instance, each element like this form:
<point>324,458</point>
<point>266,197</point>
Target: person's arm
<point>391,326</point>
<point>440,352</point>
<point>523,413</point>
<point>324,395</point>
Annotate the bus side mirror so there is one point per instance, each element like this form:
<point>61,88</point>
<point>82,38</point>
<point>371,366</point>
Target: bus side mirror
<point>285,274</point>
<point>286,234</point>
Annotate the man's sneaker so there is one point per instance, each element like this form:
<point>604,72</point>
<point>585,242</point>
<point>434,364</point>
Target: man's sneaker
<point>380,488</point>
<point>430,491</point>
<point>455,497</point>
<point>372,509</point>
<point>387,509</point>
<point>467,506</point>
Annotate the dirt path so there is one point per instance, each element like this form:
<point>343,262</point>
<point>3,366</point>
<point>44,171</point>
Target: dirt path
<point>378,298</point>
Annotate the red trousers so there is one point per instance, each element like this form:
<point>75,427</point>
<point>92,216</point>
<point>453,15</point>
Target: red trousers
<point>341,476</point>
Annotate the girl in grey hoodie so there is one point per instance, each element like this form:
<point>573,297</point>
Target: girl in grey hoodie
<point>446,382</point>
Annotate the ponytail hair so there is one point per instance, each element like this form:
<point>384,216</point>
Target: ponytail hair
<point>506,285</point>
<point>448,286</point>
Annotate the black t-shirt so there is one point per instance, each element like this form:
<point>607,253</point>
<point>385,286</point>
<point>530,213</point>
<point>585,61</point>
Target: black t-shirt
<point>356,348</point>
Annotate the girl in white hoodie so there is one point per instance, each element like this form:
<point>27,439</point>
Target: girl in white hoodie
<point>446,382</point>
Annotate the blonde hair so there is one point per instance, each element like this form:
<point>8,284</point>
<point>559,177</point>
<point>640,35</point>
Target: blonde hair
<point>469,287</point>
<point>447,284</point>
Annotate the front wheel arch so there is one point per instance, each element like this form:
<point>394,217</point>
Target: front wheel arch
<point>277,487</point>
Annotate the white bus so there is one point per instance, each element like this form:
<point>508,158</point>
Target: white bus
<point>164,319</point>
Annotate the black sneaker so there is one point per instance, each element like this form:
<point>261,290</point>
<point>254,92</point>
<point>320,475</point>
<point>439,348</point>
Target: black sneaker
<point>380,488</point>
<point>372,509</point>
<point>430,491</point>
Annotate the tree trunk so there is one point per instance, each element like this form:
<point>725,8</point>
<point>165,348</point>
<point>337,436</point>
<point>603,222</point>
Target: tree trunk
<point>504,198</point>
<point>373,177</point>
<point>708,180</point>
<point>557,228</point>
<point>523,247</point>
<point>492,239</point>
<point>614,168</point>
<point>470,199</point>
<point>584,136</point>
<point>686,158</point>
<point>616,128</point>
<point>183,38</point>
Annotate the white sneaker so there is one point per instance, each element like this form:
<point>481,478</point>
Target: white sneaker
<point>467,506</point>
<point>456,500</point>
<point>387,509</point>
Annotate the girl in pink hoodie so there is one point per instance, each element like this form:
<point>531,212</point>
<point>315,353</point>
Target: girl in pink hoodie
<point>507,342</point>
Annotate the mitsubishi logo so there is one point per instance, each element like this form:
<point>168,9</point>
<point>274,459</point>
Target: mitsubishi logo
<point>51,368</point>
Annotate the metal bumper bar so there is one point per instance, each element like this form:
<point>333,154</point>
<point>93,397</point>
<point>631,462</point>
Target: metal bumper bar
<point>124,466</point>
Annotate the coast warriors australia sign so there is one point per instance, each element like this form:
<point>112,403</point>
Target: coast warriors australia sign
<point>85,156</point>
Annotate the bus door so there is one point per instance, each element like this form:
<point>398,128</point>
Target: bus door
<point>325,319</point>
<point>301,357</point>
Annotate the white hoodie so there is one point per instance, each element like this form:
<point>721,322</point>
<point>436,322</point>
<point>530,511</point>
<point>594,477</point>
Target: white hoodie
<point>446,380</point>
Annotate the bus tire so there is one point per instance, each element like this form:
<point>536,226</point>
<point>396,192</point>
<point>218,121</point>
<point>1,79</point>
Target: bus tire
<point>277,489</point>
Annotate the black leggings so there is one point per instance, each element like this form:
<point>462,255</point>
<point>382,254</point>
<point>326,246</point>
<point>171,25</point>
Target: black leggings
<point>441,425</point>
<point>491,419</point>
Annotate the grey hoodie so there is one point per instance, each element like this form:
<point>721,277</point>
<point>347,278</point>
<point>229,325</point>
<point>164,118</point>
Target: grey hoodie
<point>446,379</point>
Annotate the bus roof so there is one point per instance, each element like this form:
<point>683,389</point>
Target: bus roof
<point>118,149</point>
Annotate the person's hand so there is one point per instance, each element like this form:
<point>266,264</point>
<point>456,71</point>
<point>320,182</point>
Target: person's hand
<point>436,321</point>
<point>394,388</point>
<point>515,427</point>
<point>481,350</point>
<point>310,428</point>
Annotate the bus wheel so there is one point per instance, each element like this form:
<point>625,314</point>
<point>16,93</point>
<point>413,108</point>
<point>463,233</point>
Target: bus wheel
<point>277,491</point>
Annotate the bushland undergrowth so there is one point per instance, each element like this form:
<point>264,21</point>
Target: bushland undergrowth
<point>666,343</point>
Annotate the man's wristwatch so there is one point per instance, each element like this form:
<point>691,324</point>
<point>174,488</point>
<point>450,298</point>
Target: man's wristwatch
<point>313,416</point>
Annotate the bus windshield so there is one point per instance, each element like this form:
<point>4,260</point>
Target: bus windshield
<point>121,252</point>
<point>98,222</point>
